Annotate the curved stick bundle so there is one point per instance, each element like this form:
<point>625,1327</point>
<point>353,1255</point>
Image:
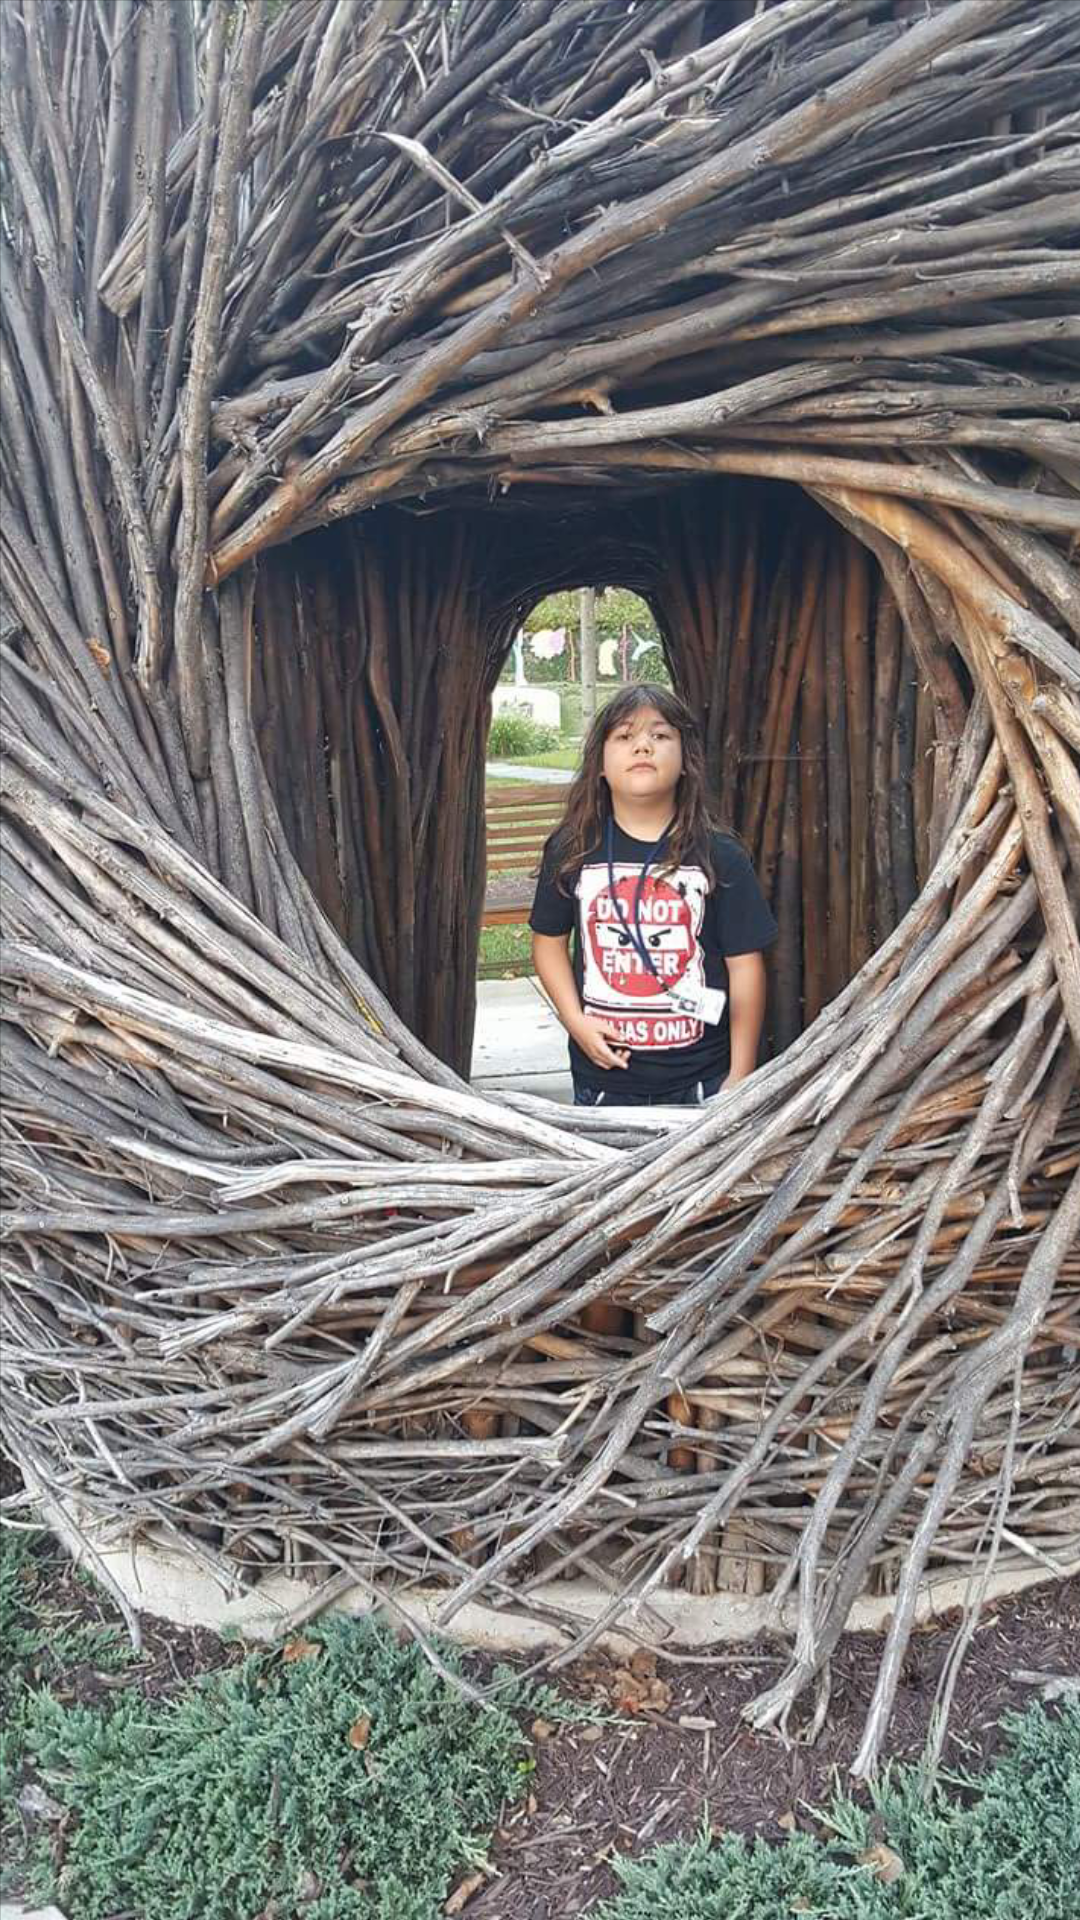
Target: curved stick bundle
<point>524,280</point>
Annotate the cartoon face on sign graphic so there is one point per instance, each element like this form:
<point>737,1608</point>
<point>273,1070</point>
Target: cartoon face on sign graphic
<point>664,926</point>
<point>617,983</point>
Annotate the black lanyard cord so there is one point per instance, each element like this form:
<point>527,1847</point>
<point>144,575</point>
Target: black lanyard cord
<point>632,929</point>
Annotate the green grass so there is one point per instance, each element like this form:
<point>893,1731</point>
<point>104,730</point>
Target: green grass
<point>565,756</point>
<point>505,952</point>
<point>1001,1846</point>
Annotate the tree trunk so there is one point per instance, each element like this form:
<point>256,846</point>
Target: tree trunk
<point>587,627</point>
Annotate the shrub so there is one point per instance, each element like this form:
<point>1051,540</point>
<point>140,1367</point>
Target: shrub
<point>515,734</point>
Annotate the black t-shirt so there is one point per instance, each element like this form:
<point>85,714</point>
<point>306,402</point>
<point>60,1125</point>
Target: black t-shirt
<point>688,923</point>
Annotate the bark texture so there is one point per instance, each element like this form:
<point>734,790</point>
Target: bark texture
<point>333,335</point>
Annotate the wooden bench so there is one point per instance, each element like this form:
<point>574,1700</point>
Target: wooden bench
<point>518,821</point>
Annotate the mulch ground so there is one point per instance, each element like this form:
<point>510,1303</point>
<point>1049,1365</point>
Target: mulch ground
<point>625,1788</point>
<point>169,1659</point>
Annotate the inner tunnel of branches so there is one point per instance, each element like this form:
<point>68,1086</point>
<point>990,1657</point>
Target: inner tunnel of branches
<point>334,336</point>
<point>830,715</point>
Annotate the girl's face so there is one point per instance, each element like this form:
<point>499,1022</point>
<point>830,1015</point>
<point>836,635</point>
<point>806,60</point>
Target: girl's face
<point>643,757</point>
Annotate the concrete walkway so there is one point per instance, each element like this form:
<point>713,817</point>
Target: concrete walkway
<point>513,770</point>
<point>519,1046</point>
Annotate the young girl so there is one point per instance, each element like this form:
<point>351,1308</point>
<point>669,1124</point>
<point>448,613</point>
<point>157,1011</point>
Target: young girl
<point>664,998</point>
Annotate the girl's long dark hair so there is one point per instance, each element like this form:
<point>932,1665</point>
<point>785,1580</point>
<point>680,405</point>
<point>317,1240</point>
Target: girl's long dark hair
<point>588,804</point>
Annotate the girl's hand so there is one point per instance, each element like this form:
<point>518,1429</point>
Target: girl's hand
<point>599,1041</point>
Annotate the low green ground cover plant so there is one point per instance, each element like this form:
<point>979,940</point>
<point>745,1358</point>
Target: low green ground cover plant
<point>1002,1845</point>
<point>337,1778</point>
<point>41,1639</point>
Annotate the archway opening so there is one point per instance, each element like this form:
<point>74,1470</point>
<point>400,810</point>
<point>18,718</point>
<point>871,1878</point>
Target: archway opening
<point>830,706</point>
<point>572,653</point>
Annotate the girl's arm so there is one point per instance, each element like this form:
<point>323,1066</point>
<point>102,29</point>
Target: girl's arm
<point>551,958</point>
<point>746,988</point>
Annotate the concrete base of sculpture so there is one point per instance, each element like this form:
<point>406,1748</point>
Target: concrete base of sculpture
<point>159,1578</point>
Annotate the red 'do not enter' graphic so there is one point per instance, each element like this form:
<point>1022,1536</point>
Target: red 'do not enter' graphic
<point>664,924</point>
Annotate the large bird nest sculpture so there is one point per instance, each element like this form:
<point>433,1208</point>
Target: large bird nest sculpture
<point>334,333</point>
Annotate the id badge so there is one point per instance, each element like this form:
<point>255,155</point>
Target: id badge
<point>707,1004</point>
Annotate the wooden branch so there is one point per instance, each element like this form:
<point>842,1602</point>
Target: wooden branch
<point>453,309</point>
<point>195,424</point>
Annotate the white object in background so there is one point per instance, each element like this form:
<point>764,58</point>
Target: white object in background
<point>606,652</point>
<point>549,642</point>
<point>540,703</point>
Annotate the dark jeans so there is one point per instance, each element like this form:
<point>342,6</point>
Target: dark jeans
<point>585,1096</point>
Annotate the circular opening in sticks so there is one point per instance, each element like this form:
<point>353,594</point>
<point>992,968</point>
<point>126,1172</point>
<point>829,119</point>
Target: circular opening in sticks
<point>351,332</point>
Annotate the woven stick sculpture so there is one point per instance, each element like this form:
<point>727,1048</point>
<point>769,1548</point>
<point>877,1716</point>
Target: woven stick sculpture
<point>334,333</point>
